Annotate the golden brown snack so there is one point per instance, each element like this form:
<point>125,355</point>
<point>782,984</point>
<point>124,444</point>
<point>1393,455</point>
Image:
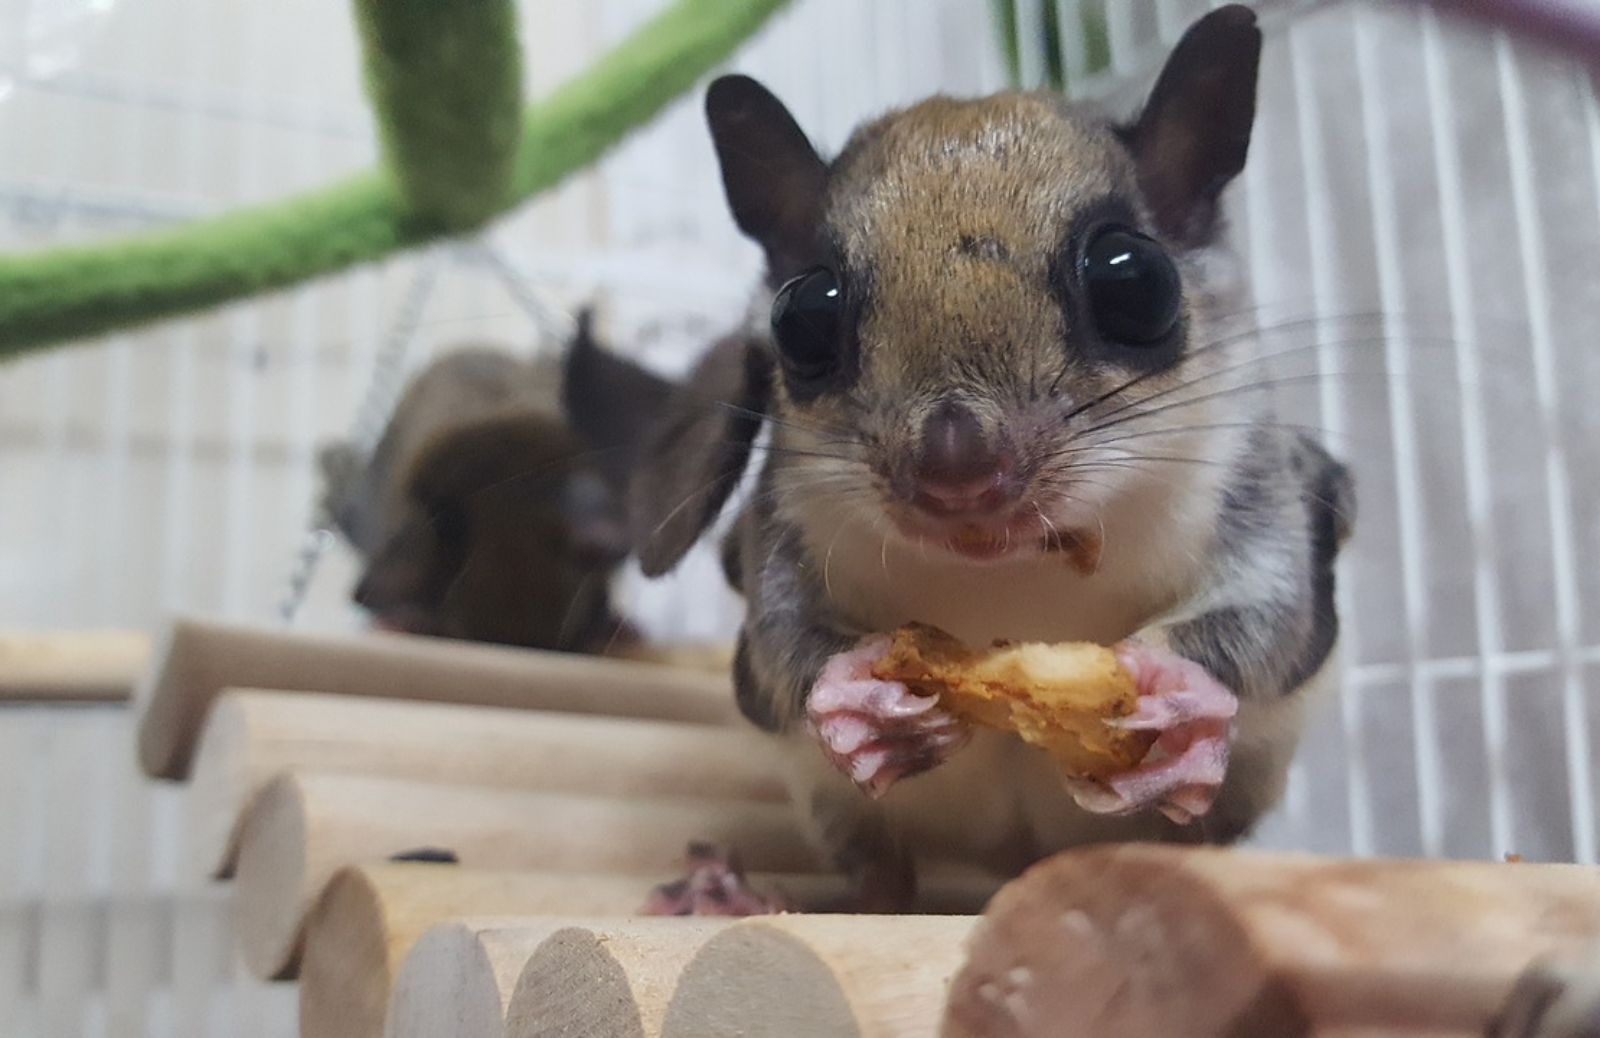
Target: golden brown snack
<point>1057,697</point>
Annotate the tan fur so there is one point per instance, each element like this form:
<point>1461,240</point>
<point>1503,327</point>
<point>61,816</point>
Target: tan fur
<point>962,402</point>
<point>1004,176</point>
<point>989,332</point>
<point>1007,173</point>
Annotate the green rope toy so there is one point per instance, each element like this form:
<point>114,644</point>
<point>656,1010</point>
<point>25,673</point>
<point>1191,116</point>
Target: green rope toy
<point>445,80</point>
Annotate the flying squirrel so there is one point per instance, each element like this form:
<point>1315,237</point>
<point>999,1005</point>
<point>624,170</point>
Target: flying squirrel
<point>976,380</point>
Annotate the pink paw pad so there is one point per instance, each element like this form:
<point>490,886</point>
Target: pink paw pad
<point>714,886</point>
<point>1193,713</point>
<point>878,732</point>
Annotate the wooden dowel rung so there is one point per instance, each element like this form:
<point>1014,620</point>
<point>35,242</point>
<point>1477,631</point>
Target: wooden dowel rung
<point>303,827</point>
<point>369,917</point>
<point>874,976</point>
<point>251,737</point>
<point>1139,940</point>
<point>499,978</point>
<point>200,659</point>
<point>71,666</point>
<point>605,982</point>
<point>459,977</point>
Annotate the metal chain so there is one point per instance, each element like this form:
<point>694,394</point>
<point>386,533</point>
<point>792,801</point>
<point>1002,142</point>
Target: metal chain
<point>383,392</point>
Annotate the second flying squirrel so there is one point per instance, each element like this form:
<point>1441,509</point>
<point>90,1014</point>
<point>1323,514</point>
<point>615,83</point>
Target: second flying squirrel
<point>485,511</point>
<point>973,356</point>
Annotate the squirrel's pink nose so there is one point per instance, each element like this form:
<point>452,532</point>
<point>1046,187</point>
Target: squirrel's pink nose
<point>958,471</point>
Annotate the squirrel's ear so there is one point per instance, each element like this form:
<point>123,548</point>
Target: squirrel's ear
<point>610,402</point>
<point>694,457</point>
<point>1193,135</point>
<point>774,179</point>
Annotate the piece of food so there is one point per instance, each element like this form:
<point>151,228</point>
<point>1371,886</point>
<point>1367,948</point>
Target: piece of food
<point>1057,697</point>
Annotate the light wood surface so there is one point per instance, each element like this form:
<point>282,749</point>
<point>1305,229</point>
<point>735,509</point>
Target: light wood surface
<point>459,977</point>
<point>715,657</point>
<point>1142,940</point>
<point>71,666</point>
<point>609,981</point>
<point>499,977</point>
<point>251,737</point>
<point>369,917</point>
<point>304,826</point>
<point>200,659</point>
<point>780,976</point>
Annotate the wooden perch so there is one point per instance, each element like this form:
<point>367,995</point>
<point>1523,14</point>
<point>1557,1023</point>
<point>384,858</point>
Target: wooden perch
<point>459,977</point>
<point>1144,940</point>
<point>56,666</point>
<point>714,657</point>
<point>369,916</point>
<point>485,978</point>
<point>873,976</point>
<point>200,659</point>
<point>252,737</point>
<point>303,827</point>
<point>612,982</point>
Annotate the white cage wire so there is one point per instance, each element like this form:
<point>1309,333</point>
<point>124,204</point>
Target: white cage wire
<point>1442,177</point>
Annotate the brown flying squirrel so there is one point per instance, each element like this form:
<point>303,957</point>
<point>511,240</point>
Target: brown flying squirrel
<point>980,358</point>
<point>482,514</point>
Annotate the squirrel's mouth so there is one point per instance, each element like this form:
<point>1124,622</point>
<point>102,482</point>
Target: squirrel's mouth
<point>1019,536</point>
<point>976,542</point>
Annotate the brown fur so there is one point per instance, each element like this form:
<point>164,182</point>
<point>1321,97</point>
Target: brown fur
<point>954,230</point>
<point>479,514</point>
<point>951,219</point>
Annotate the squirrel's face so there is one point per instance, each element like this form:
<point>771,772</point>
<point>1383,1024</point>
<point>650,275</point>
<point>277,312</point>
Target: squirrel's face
<point>992,298</point>
<point>981,312</point>
<point>978,299</point>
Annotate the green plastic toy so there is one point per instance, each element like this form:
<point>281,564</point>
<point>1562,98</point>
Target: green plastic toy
<point>445,80</point>
<point>1045,37</point>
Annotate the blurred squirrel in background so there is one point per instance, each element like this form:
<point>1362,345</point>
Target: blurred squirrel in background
<point>490,509</point>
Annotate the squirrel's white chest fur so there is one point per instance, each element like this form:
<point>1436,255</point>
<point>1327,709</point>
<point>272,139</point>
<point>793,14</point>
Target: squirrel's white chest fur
<point>1151,557</point>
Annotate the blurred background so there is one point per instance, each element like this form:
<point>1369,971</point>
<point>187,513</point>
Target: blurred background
<point>1419,221</point>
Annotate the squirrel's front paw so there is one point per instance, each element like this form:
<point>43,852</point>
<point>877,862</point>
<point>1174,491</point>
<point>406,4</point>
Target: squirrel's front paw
<point>713,886</point>
<point>878,732</point>
<point>1193,713</point>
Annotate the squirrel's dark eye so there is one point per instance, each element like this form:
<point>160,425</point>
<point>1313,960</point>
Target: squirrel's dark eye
<point>1133,288</point>
<point>806,315</point>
